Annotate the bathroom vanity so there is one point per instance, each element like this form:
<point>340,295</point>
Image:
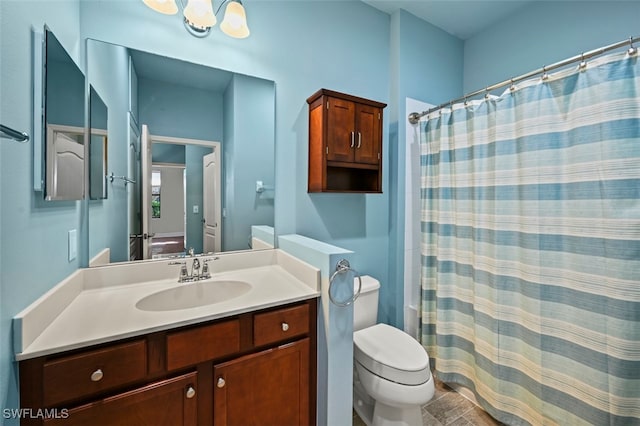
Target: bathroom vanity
<point>249,360</point>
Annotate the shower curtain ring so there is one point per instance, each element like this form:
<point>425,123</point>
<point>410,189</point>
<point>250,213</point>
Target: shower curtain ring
<point>513,86</point>
<point>545,76</point>
<point>486,94</point>
<point>632,50</point>
<point>583,63</point>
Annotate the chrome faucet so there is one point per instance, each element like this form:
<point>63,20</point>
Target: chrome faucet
<point>195,274</point>
<point>195,269</point>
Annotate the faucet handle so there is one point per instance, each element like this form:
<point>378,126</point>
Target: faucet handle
<point>205,267</point>
<point>184,274</point>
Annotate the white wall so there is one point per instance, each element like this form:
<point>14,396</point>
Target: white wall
<point>171,220</point>
<point>412,233</point>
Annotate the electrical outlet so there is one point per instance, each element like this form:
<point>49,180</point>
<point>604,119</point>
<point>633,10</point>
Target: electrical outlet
<point>196,209</point>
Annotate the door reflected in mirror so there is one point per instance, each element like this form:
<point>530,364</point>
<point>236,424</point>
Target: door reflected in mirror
<point>208,134</point>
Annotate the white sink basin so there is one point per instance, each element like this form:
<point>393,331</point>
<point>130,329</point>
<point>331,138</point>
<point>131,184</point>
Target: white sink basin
<point>193,295</point>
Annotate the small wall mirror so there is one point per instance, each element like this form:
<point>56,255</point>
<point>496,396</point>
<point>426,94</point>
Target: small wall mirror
<point>64,121</point>
<point>98,117</point>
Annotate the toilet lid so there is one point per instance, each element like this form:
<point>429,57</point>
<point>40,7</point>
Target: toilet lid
<point>392,354</point>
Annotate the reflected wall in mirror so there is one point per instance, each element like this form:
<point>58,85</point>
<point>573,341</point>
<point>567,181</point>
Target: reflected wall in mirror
<point>196,119</point>
<point>64,123</point>
<point>98,117</point>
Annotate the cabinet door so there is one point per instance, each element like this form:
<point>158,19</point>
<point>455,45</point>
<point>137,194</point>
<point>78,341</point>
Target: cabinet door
<point>368,136</point>
<point>267,388</point>
<point>171,402</point>
<point>340,129</point>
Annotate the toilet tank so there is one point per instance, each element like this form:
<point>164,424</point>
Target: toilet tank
<point>365,308</point>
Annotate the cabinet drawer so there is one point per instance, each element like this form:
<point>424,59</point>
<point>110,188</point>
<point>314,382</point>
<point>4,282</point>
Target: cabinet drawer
<point>83,374</point>
<point>203,343</point>
<point>168,402</point>
<point>281,324</point>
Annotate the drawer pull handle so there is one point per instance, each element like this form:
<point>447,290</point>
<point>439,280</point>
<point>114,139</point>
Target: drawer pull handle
<point>191,392</point>
<point>221,382</point>
<point>97,375</point>
<point>285,326</point>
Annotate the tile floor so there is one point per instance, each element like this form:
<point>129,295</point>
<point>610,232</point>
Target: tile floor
<point>447,407</point>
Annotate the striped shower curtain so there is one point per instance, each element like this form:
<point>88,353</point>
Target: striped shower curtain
<point>531,246</point>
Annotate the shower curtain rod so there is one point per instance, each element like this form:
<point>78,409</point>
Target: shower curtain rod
<point>414,117</point>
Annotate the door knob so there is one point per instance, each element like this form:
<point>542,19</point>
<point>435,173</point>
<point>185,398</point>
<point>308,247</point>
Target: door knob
<point>221,382</point>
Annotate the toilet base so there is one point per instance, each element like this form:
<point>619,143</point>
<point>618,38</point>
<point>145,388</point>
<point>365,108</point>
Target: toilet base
<point>386,415</point>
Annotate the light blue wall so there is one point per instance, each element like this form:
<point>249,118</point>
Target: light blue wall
<point>426,65</point>
<point>543,33</point>
<point>65,89</point>
<point>251,151</point>
<point>168,153</point>
<point>179,111</point>
<point>33,234</point>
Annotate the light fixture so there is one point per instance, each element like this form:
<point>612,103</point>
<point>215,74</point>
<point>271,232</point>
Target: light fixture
<point>234,23</point>
<point>198,16</point>
<point>168,7</point>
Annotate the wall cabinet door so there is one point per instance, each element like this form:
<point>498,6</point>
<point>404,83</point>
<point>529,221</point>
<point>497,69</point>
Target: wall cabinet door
<point>368,142</point>
<point>340,129</point>
<point>266,388</point>
<point>169,402</point>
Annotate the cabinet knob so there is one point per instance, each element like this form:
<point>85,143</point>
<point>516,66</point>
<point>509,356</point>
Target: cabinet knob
<point>97,375</point>
<point>285,326</point>
<point>221,382</point>
<point>191,392</point>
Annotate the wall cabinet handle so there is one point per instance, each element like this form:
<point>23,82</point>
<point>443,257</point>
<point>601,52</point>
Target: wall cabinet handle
<point>359,140</point>
<point>191,392</point>
<point>97,375</point>
<point>221,382</point>
<point>353,139</point>
<point>285,326</point>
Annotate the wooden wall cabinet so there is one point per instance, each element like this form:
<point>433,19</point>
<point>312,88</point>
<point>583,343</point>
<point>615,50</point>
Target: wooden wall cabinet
<point>345,143</point>
<point>253,368</point>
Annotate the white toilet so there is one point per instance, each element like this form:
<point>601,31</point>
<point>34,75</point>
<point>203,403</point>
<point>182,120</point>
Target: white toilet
<point>391,379</point>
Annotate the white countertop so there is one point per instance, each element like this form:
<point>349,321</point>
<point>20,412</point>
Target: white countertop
<point>103,313</point>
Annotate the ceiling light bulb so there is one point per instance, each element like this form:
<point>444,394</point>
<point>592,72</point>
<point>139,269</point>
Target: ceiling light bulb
<point>168,7</point>
<point>234,23</point>
<point>200,13</point>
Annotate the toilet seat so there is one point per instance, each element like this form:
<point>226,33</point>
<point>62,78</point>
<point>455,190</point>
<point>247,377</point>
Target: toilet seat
<point>391,354</point>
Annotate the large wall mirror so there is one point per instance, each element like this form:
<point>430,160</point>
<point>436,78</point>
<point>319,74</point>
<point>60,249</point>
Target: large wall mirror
<point>188,145</point>
<point>64,123</point>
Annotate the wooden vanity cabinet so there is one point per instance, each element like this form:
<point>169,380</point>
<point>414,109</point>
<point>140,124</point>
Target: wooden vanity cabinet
<point>253,368</point>
<point>266,388</point>
<point>345,143</point>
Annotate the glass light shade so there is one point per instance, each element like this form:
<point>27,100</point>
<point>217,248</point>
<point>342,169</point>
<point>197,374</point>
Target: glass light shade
<point>168,7</point>
<point>200,13</point>
<point>234,23</point>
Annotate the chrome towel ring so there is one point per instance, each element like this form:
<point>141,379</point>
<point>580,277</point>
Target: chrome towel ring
<point>343,266</point>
